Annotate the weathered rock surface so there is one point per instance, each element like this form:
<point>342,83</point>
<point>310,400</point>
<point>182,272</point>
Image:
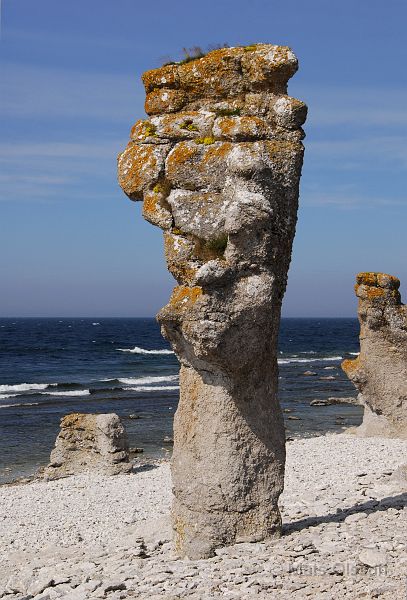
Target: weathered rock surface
<point>380,370</point>
<point>217,166</point>
<point>89,442</point>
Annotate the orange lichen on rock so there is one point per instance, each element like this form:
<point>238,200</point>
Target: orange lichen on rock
<point>217,74</point>
<point>69,420</point>
<point>371,292</point>
<point>166,77</point>
<point>184,297</point>
<point>377,287</point>
<point>222,73</point>
<point>164,101</point>
<point>351,365</point>
<point>240,128</point>
<point>139,166</point>
<point>143,131</point>
<point>382,280</point>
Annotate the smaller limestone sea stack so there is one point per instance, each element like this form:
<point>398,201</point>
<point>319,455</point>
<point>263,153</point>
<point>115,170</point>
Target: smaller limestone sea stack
<point>88,442</point>
<point>380,370</point>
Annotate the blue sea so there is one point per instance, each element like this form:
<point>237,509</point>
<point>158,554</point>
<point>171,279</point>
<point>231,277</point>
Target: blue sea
<point>52,367</point>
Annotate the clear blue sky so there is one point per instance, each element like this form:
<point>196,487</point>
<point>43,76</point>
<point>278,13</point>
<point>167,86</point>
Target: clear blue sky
<point>71,243</point>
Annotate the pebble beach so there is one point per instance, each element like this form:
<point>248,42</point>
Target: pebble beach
<point>345,533</point>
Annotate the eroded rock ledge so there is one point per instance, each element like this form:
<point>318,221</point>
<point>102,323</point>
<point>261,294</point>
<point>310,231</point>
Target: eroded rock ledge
<point>380,370</point>
<point>217,165</point>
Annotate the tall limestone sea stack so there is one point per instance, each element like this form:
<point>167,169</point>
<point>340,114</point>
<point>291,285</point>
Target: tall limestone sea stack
<point>217,165</point>
<point>380,371</point>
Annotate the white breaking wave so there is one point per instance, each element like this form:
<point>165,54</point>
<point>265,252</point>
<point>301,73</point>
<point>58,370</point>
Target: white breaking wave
<point>19,404</point>
<point>354,353</point>
<point>4,396</point>
<point>137,350</point>
<point>95,323</point>
<point>153,388</point>
<point>147,380</point>
<point>70,393</point>
<point>287,361</point>
<point>25,387</point>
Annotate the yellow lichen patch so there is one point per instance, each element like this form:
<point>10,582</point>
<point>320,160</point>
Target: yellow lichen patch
<point>189,125</point>
<point>162,187</point>
<point>184,297</point>
<point>206,141</point>
<point>138,166</point>
<point>184,124</point>
<point>164,101</point>
<point>166,76</point>
<point>142,130</point>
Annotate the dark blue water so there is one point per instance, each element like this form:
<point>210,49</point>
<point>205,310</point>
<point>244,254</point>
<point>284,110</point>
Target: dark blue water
<point>51,367</point>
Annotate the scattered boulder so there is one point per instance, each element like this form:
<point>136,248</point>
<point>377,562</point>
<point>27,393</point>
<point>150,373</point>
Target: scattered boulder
<point>330,401</point>
<point>89,442</point>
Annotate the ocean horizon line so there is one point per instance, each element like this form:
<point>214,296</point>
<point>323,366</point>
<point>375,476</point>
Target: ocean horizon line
<point>151,317</point>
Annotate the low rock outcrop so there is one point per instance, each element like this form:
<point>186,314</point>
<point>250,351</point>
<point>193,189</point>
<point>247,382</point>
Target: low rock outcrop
<point>87,442</point>
<point>217,165</point>
<point>380,370</point>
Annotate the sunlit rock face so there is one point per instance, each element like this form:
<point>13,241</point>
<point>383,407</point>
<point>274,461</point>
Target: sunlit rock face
<point>380,371</point>
<point>217,165</point>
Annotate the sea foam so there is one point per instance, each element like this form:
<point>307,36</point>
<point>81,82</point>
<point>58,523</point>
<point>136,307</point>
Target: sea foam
<point>19,404</point>
<point>287,361</point>
<point>147,380</point>
<point>153,388</point>
<point>70,393</point>
<point>25,387</point>
<point>137,350</point>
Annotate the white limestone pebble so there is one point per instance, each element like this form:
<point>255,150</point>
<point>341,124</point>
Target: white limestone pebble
<point>93,536</point>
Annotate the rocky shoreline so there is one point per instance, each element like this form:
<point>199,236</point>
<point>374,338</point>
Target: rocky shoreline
<point>93,536</point>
